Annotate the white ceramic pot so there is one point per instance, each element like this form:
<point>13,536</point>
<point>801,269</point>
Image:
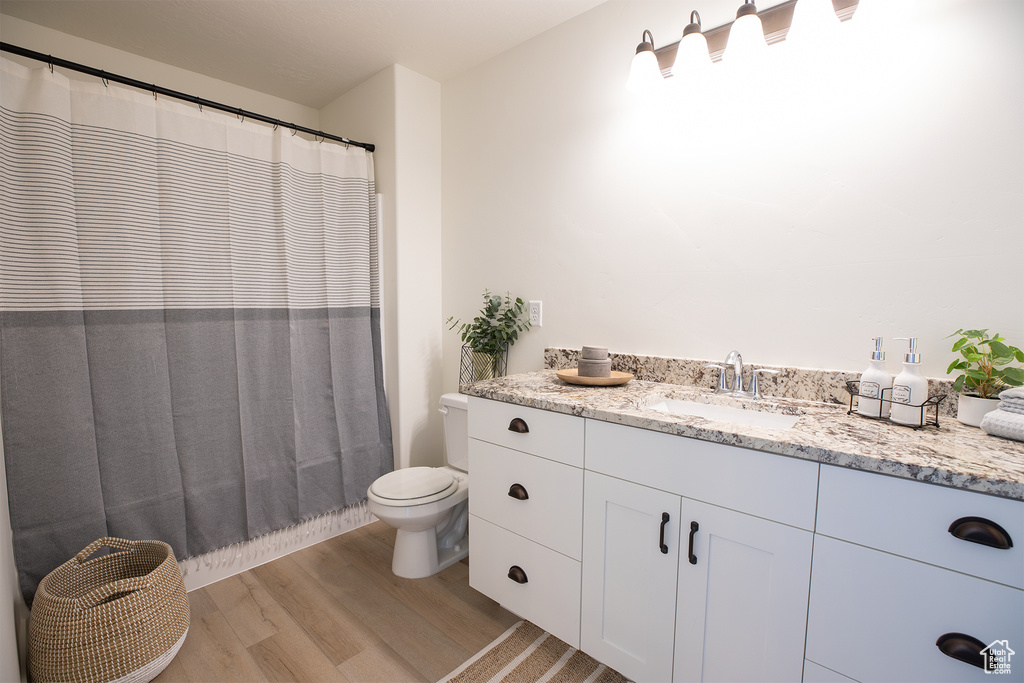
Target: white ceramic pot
<point>970,409</point>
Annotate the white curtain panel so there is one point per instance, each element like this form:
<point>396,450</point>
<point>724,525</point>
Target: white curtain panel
<point>189,322</point>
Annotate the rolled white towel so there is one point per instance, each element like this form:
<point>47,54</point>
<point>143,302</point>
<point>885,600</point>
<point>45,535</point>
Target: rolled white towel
<point>1004,423</point>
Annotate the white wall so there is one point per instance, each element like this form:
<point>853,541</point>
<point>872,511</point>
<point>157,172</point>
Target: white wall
<point>41,39</point>
<point>792,218</point>
<point>400,112</point>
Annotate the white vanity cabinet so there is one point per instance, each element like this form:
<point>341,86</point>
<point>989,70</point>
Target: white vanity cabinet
<point>526,509</point>
<point>675,585</point>
<point>629,583</point>
<point>896,591</point>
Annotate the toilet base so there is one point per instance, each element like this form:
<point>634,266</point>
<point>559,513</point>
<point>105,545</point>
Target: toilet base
<point>417,553</point>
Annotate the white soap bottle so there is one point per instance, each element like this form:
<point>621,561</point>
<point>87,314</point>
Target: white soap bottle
<point>909,388</point>
<point>872,383</point>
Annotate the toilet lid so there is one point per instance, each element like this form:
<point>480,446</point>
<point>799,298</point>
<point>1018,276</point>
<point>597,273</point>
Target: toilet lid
<point>414,483</point>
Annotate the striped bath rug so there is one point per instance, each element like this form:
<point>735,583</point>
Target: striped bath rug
<point>528,654</point>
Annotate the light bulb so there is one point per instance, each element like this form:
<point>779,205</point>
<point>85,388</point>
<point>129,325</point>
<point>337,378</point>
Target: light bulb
<point>644,72</point>
<point>746,41</point>
<point>692,57</point>
<point>814,23</point>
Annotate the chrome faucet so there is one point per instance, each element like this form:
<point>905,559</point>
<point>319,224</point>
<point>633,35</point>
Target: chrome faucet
<point>736,361</point>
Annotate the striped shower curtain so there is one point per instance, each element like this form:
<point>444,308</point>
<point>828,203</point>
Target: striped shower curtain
<point>190,344</point>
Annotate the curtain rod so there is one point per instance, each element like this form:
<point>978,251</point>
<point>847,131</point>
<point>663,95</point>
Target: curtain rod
<point>158,90</point>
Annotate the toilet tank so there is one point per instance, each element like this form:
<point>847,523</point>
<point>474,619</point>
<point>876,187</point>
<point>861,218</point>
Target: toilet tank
<point>455,408</point>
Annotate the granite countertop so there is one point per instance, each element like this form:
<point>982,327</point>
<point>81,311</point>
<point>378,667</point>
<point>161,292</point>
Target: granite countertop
<point>951,455</point>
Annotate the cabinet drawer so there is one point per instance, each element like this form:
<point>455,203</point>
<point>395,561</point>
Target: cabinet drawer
<point>552,513</point>
<point>762,484</point>
<point>554,436</point>
<point>876,617</point>
<point>912,519</point>
<point>550,597</point>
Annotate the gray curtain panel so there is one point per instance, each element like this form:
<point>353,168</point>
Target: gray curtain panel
<point>190,343</point>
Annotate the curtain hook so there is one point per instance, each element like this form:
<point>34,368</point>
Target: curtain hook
<point>321,135</point>
<point>276,124</point>
<point>295,129</point>
<point>199,104</point>
<point>240,115</point>
<point>49,62</point>
<point>103,78</point>
<point>154,91</point>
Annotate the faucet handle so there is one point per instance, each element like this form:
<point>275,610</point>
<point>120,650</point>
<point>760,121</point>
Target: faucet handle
<point>755,389</point>
<point>722,386</point>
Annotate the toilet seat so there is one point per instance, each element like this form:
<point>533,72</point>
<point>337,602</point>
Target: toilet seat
<point>414,486</point>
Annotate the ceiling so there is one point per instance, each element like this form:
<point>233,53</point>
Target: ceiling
<point>305,51</point>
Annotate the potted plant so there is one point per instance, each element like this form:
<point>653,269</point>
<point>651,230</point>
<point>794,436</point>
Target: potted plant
<point>984,371</point>
<point>489,335</point>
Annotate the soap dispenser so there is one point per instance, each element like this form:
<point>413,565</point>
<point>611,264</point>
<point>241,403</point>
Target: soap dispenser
<point>872,383</point>
<point>910,388</point>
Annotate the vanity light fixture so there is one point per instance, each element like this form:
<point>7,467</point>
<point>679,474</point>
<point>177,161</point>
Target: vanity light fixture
<point>692,56</point>
<point>746,36</point>
<point>812,22</point>
<point>644,72</point>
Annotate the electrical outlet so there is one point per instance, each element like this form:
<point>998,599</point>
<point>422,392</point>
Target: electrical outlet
<point>536,314</point>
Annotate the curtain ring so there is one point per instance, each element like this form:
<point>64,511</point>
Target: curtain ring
<point>154,91</point>
<point>49,62</point>
<point>103,78</point>
<point>276,124</point>
<point>240,115</point>
<point>319,134</point>
<point>295,129</point>
<point>199,104</point>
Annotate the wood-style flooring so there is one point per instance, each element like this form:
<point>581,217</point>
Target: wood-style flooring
<point>335,612</point>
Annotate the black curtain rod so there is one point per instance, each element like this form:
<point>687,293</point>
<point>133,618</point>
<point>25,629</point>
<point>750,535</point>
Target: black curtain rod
<point>157,90</point>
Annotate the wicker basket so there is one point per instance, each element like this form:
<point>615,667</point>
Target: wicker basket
<point>116,617</point>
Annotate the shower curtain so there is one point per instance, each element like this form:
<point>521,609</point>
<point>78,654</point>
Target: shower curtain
<point>190,341</point>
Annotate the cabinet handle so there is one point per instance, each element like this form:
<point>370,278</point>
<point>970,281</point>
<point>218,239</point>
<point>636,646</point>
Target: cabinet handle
<point>518,491</point>
<point>963,647</point>
<point>693,532</point>
<point>516,573</point>
<point>661,540</point>
<point>519,426</point>
<point>981,530</point>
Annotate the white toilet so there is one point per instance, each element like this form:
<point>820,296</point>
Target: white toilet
<point>429,505</point>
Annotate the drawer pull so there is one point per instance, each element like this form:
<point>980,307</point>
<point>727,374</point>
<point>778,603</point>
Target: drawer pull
<point>516,573</point>
<point>981,530</point>
<point>693,532</point>
<point>519,426</point>
<point>661,540</point>
<point>963,647</point>
<point>518,491</point>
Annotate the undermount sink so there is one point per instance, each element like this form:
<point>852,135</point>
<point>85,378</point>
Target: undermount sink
<point>719,413</point>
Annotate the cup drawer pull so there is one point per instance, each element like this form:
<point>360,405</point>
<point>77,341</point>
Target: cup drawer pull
<point>519,426</point>
<point>519,492</point>
<point>516,573</point>
<point>981,530</point>
<point>963,647</point>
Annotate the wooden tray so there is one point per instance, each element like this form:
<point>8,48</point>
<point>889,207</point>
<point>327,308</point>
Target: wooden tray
<point>572,377</point>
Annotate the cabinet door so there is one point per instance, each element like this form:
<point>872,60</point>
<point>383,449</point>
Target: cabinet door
<point>742,605</point>
<point>629,584</point>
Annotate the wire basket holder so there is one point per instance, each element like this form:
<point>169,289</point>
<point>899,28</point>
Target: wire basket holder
<point>853,387</point>
<point>475,366</point>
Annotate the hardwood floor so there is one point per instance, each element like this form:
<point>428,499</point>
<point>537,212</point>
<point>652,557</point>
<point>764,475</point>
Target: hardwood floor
<point>335,612</point>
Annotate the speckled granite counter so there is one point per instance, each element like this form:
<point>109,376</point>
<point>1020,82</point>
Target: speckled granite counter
<point>952,455</point>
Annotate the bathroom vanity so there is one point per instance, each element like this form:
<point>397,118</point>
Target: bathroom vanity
<point>676,547</point>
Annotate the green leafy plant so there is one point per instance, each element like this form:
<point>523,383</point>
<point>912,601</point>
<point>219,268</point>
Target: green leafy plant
<point>498,325</point>
<point>984,365</point>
